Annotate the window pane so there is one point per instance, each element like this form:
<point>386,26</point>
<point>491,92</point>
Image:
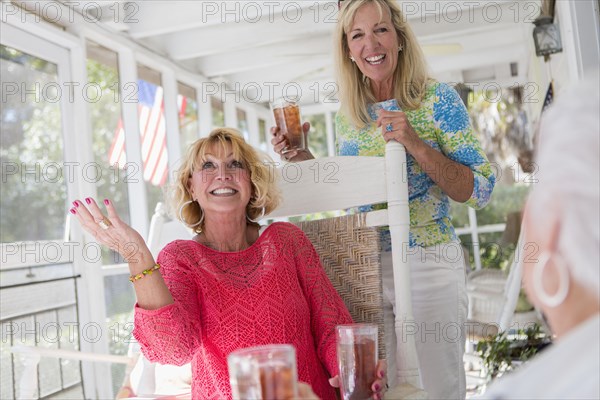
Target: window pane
<point>155,160</point>
<point>119,299</point>
<point>187,107</point>
<point>108,135</point>
<point>317,136</point>
<point>31,150</point>
<point>500,124</point>
<point>262,134</point>
<point>242,121</point>
<point>218,113</point>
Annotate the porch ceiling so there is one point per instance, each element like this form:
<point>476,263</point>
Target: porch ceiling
<point>251,44</point>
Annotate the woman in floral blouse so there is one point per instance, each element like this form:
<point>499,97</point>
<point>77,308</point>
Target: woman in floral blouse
<point>378,58</point>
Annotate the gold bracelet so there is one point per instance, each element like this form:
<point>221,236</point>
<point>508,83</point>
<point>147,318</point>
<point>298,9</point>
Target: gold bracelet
<point>145,272</point>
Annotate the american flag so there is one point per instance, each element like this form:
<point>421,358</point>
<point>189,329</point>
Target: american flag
<point>153,135</point>
<point>549,97</point>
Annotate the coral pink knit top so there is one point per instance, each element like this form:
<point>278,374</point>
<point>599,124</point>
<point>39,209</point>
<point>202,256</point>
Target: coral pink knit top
<point>275,291</point>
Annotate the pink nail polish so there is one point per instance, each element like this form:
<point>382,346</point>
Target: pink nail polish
<point>88,200</point>
<point>72,210</point>
<point>106,202</point>
<point>75,203</point>
<point>377,387</point>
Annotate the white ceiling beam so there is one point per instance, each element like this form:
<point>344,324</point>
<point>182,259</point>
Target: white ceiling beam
<point>206,14</point>
<point>232,37</point>
<point>489,57</point>
<point>491,15</point>
<point>265,56</point>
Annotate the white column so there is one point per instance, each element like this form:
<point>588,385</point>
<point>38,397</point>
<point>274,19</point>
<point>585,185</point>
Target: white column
<point>169,83</point>
<point>230,114</point>
<point>330,132</point>
<point>474,237</point>
<point>580,32</point>
<point>138,204</point>
<point>204,113</point>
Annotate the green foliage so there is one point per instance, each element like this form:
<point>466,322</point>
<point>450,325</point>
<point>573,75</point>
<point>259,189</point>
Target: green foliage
<point>34,198</point>
<point>499,352</point>
<point>505,200</point>
<point>317,137</point>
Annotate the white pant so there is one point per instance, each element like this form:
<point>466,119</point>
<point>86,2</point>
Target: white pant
<point>439,302</point>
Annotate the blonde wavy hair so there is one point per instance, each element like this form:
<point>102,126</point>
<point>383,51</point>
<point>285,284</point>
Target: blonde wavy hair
<point>265,193</point>
<point>411,76</point>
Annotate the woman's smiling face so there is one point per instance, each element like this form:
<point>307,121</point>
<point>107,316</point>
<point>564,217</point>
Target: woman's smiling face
<point>373,43</point>
<point>221,183</point>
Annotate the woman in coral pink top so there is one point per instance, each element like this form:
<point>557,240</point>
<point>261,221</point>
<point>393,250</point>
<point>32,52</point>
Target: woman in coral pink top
<point>232,286</point>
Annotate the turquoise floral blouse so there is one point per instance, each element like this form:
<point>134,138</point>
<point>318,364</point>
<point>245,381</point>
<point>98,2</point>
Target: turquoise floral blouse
<point>442,122</point>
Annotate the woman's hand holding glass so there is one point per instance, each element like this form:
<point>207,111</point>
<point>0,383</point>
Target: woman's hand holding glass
<point>280,144</point>
<point>379,386</point>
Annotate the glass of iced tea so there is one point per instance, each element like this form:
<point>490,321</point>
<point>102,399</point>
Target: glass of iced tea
<point>288,120</point>
<point>263,372</point>
<point>357,360</point>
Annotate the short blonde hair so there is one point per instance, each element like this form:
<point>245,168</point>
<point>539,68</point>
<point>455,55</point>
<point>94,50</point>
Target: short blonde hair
<point>411,76</point>
<point>264,188</point>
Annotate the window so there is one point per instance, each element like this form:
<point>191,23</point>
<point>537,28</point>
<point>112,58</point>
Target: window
<point>108,135</point>
<point>38,296</point>
<point>119,299</point>
<point>317,136</point>
<point>242,121</point>
<point>262,135</point>
<point>31,150</point>
<point>218,113</point>
<point>187,107</point>
<point>153,135</point>
<point>500,123</point>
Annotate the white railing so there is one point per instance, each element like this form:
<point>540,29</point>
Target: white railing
<point>31,358</point>
<point>474,231</point>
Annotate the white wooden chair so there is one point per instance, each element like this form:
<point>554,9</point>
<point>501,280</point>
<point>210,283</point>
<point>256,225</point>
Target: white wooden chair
<point>147,379</point>
<point>338,183</point>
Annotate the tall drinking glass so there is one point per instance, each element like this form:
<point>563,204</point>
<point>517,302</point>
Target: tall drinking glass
<point>357,360</point>
<point>263,372</point>
<point>287,117</point>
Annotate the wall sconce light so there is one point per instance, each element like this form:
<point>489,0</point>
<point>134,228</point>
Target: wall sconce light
<point>546,37</point>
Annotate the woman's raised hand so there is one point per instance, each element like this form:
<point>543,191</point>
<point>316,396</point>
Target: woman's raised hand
<point>110,231</point>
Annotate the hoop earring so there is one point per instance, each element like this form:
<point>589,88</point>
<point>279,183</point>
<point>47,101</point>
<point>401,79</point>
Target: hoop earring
<point>538,272</point>
<point>255,220</point>
<point>183,219</point>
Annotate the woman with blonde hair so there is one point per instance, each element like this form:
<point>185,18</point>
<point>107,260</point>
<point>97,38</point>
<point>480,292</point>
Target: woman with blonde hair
<point>233,285</point>
<point>378,59</point>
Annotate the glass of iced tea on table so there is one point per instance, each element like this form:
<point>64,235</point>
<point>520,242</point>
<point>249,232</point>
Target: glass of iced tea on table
<point>263,372</point>
<point>357,360</point>
<point>287,118</point>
